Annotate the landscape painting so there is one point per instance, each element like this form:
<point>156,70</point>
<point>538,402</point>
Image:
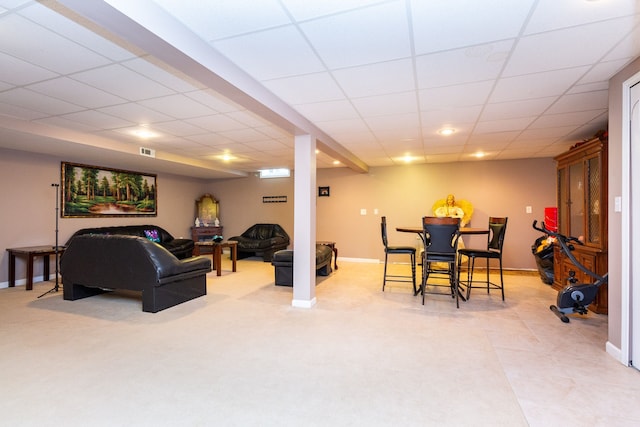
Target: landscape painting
<point>91,191</point>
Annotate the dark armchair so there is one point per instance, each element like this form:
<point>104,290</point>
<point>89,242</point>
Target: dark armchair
<point>262,240</point>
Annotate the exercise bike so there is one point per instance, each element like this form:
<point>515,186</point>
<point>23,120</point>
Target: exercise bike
<point>574,297</point>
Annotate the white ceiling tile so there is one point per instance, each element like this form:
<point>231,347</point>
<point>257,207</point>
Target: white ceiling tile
<point>377,79</point>
<point>554,14</point>
<point>571,47</point>
<point>123,82</point>
<point>303,89</point>
<point>450,116</point>
<point>136,113</point>
<point>179,128</point>
<point>98,120</point>
<point>37,102</point>
<point>271,54</point>
<point>374,34</point>
<point>243,135</point>
<point>266,145</point>
<point>19,72</point>
<point>547,133</point>
<point>394,103</point>
<point>581,102</point>
<point>463,95</point>
<point>327,111</point>
<point>498,137</point>
<point>80,34</point>
<point>178,106</point>
<point>216,123</point>
<point>566,119</point>
<point>226,18</point>
<point>536,85</point>
<point>8,109</point>
<point>589,87</point>
<point>10,4</point>
<point>164,77</point>
<point>602,71</point>
<point>513,109</point>
<point>504,125</point>
<point>45,48</point>
<point>400,121</point>
<point>444,25</point>
<point>76,92</point>
<point>627,49</point>
<point>303,10</point>
<point>64,123</point>
<point>406,136</point>
<point>213,100</point>
<point>470,64</point>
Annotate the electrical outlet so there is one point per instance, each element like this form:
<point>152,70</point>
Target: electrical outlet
<point>375,211</point>
<point>363,211</point>
<point>528,209</point>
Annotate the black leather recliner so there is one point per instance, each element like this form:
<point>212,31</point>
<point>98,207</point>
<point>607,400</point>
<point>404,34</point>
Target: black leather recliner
<point>262,240</point>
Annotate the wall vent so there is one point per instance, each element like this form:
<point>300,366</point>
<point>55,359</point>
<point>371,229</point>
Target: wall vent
<point>149,152</point>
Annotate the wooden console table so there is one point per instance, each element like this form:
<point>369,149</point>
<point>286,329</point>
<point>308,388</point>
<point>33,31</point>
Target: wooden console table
<point>217,253</point>
<point>31,252</point>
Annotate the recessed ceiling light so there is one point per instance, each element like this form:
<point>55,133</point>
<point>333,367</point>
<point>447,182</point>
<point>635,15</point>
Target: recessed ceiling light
<point>143,133</point>
<point>447,131</point>
<point>336,162</point>
<point>479,155</point>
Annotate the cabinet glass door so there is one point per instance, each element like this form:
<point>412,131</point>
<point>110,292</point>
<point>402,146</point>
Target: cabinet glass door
<point>576,199</point>
<point>593,201</point>
<point>562,201</point>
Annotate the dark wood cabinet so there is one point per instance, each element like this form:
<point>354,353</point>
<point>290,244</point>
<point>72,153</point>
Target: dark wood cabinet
<point>582,212</point>
<point>204,233</point>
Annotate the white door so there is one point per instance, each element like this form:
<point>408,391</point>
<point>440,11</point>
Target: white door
<point>635,225</point>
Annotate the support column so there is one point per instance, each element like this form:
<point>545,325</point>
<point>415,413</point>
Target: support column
<point>304,223</point>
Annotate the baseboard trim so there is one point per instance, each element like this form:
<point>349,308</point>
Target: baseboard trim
<point>616,353</point>
<point>297,303</point>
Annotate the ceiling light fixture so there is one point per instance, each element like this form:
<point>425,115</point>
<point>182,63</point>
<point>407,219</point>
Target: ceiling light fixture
<point>143,133</point>
<point>336,162</point>
<point>479,155</point>
<point>446,131</point>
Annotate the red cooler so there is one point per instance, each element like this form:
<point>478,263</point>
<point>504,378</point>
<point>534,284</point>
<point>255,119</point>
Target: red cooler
<point>551,218</point>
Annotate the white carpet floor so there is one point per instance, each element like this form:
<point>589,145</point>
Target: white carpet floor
<point>242,356</point>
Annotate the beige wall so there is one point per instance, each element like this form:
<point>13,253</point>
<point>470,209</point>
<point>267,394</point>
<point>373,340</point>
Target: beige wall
<point>615,190</point>
<point>27,216</point>
<point>403,193</point>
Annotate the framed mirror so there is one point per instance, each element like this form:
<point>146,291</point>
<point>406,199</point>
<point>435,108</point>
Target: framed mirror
<point>207,209</point>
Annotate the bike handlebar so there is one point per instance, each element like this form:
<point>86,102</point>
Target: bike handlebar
<point>545,230</point>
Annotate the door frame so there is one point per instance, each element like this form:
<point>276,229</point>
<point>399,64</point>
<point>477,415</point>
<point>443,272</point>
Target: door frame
<point>626,223</point>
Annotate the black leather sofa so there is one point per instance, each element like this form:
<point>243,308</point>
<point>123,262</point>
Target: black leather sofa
<point>181,248</point>
<point>283,264</point>
<point>262,240</point>
<point>94,263</point>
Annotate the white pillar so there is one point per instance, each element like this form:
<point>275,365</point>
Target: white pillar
<point>304,222</point>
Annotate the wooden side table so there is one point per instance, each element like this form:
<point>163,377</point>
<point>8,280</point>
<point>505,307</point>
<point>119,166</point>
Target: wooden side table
<point>332,245</point>
<point>217,253</point>
<point>31,252</point>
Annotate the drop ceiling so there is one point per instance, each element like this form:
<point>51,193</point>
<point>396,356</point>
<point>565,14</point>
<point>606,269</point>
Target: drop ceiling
<point>223,86</point>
